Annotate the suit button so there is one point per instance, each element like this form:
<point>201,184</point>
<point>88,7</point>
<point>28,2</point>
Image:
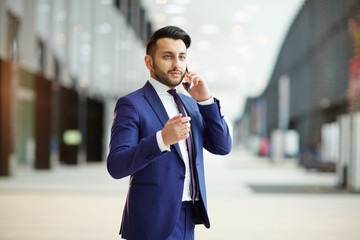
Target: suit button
<point>182,177</point>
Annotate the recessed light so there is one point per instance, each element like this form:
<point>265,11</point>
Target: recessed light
<point>179,21</point>
<point>160,17</point>
<point>78,28</point>
<point>261,40</point>
<point>184,2</point>
<point>203,45</point>
<point>241,16</point>
<point>104,28</point>
<point>237,30</point>
<point>210,29</point>
<point>61,39</point>
<point>174,9</point>
<point>161,1</point>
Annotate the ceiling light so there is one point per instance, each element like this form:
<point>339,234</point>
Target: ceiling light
<point>78,28</point>
<point>174,9</point>
<point>184,2</point>
<point>161,1</point>
<point>210,29</point>
<point>84,82</point>
<point>261,40</point>
<point>61,39</point>
<point>241,16</point>
<point>237,30</point>
<point>244,50</point>
<point>104,28</point>
<point>61,15</point>
<point>160,17</point>
<point>179,21</point>
<point>123,45</point>
<point>203,45</point>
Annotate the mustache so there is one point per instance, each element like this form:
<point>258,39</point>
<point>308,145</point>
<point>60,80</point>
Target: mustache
<point>177,71</point>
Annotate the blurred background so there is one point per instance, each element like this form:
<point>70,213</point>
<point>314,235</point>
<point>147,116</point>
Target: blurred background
<point>287,73</point>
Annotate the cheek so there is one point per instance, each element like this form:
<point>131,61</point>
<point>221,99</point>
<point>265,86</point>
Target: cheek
<point>164,65</point>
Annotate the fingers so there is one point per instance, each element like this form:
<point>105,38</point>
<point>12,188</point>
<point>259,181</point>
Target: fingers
<point>176,117</point>
<point>181,127</point>
<point>176,129</point>
<point>180,120</point>
<point>193,78</point>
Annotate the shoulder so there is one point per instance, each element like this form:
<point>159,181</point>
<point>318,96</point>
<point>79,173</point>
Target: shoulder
<point>134,94</point>
<point>132,98</point>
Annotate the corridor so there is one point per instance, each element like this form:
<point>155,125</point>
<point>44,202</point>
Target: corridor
<point>249,198</point>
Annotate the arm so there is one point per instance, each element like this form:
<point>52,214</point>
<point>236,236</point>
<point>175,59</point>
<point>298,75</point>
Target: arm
<point>129,154</point>
<point>216,136</point>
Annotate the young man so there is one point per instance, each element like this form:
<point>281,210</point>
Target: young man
<point>157,138</point>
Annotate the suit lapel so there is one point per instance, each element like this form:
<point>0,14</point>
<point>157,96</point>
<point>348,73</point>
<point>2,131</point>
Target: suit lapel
<point>156,104</point>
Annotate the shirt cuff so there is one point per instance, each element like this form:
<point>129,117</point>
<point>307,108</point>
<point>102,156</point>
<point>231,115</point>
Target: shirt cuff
<point>207,102</point>
<point>161,143</point>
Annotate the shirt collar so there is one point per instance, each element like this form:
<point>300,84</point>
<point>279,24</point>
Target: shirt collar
<point>160,88</point>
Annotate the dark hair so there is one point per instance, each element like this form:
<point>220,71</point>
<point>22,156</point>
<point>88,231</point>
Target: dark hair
<point>167,32</point>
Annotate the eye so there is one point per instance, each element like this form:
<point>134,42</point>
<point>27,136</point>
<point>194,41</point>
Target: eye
<point>167,56</point>
<point>182,57</point>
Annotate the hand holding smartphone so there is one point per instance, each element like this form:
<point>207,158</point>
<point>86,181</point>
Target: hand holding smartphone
<point>195,86</point>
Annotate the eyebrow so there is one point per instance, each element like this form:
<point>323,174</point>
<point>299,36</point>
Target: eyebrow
<point>169,52</point>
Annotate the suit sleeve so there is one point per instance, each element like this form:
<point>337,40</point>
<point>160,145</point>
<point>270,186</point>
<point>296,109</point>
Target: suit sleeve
<point>127,153</point>
<point>216,134</point>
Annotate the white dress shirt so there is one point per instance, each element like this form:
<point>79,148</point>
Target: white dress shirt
<point>172,110</point>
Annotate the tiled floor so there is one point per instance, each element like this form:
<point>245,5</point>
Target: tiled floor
<point>248,198</point>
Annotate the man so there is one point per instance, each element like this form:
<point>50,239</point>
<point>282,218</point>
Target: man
<point>157,138</point>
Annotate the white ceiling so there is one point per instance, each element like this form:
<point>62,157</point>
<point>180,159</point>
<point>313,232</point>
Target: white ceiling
<point>234,42</point>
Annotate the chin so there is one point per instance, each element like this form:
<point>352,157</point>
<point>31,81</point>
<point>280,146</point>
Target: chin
<point>175,82</point>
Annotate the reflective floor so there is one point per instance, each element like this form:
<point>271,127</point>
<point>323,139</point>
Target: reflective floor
<point>248,198</point>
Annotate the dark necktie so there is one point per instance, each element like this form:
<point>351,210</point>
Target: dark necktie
<point>188,145</point>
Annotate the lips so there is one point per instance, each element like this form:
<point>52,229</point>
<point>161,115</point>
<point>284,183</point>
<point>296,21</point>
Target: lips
<point>175,74</point>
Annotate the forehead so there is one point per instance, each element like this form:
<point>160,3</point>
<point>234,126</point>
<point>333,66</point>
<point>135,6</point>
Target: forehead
<point>170,45</point>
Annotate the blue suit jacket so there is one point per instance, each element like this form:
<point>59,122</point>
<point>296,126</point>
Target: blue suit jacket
<point>157,178</point>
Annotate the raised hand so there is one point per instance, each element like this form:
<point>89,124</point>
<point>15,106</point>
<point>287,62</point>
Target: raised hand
<point>176,129</point>
<point>199,90</point>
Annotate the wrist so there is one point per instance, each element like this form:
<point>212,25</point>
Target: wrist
<point>208,101</point>
<point>160,141</point>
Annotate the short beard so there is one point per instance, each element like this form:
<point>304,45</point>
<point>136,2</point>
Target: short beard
<point>164,78</point>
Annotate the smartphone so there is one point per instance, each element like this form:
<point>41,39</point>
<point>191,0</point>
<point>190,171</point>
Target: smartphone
<point>187,84</point>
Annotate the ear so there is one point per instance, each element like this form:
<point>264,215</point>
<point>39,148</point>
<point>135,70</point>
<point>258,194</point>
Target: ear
<point>148,62</point>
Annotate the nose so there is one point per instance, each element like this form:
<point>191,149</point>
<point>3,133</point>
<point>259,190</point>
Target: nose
<point>177,63</point>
